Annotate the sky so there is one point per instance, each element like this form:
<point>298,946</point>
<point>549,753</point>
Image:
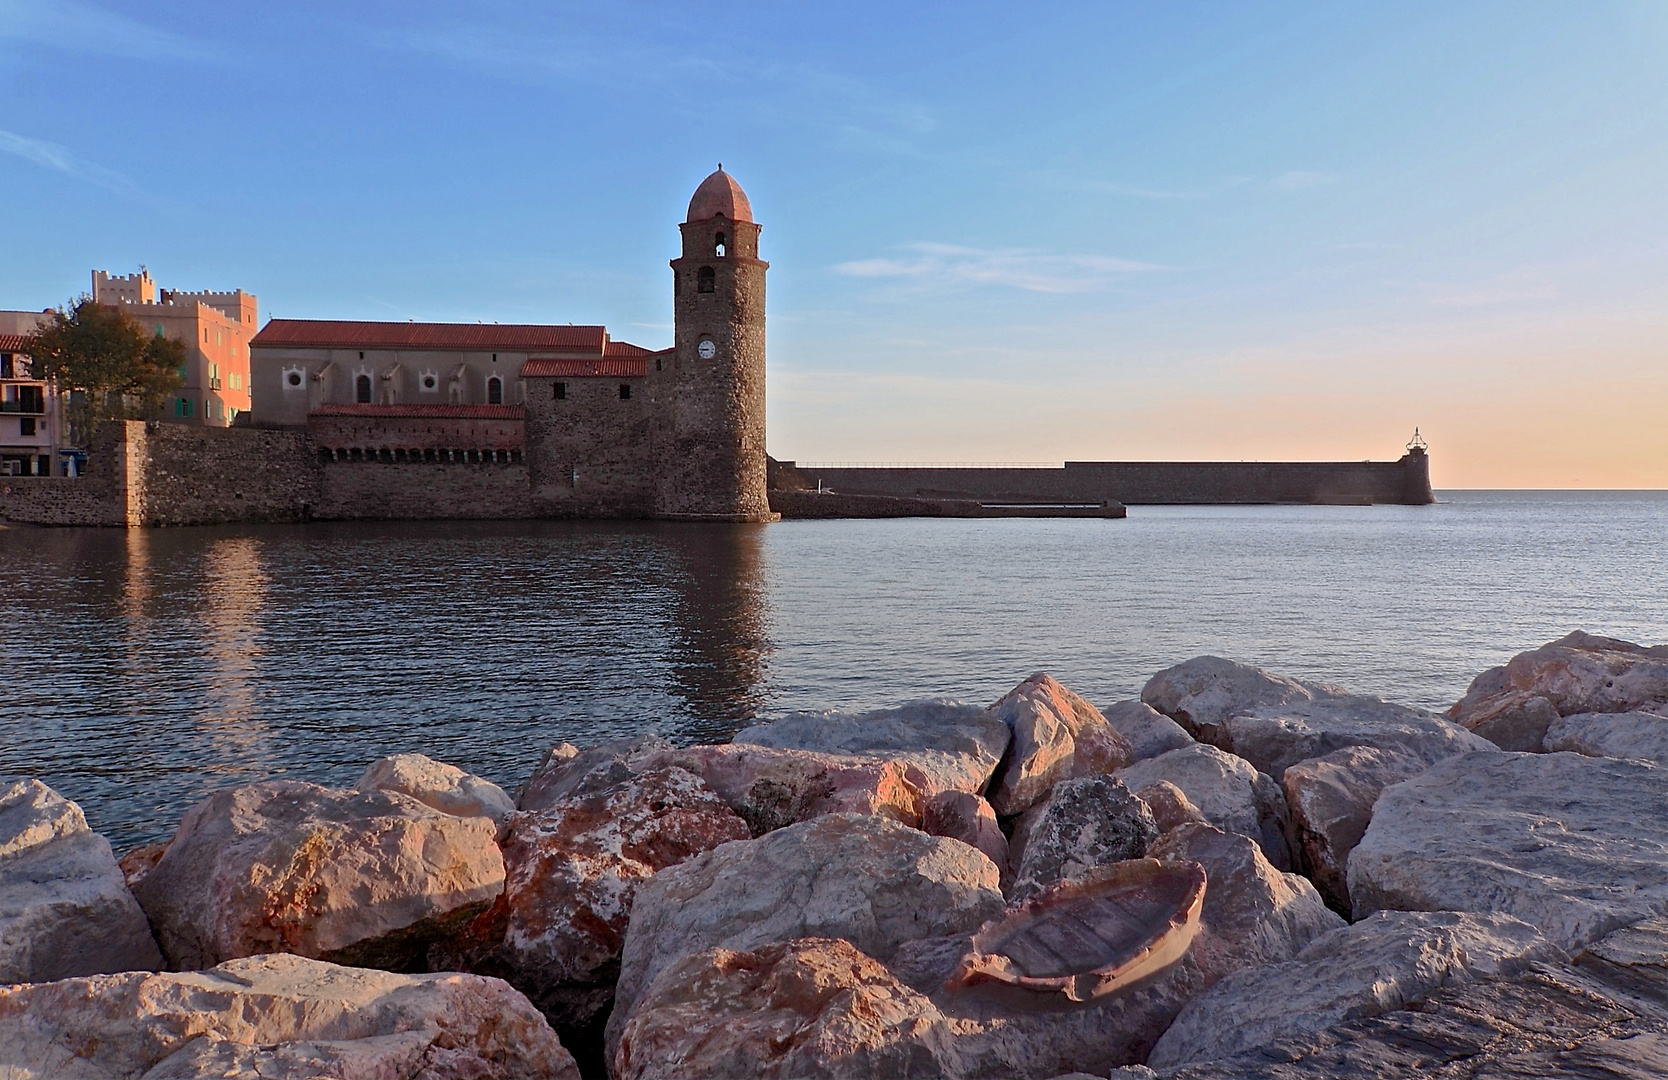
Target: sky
<point>997,232</point>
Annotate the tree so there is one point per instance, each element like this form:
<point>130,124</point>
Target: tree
<point>110,367</point>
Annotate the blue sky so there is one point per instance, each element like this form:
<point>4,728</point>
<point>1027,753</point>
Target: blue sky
<point>997,232</point>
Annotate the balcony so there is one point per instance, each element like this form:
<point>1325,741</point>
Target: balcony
<point>27,406</point>
<point>214,384</point>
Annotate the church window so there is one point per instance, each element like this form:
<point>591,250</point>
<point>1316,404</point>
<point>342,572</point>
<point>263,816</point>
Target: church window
<point>625,391</point>
<point>560,391</point>
<point>495,391</point>
<point>705,282</point>
<point>362,390</point>
<point>430,382</point>
<point>718,246</point>
<point>293,378</point>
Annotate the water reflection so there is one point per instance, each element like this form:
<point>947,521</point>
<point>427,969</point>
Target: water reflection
<point>722,644</point>
<point>233,598</point>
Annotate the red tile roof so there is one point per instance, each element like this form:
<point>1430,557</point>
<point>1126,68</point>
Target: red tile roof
<point>443,412</point>
<point>610,367</point>
<point>336,334</point>
<point>14,343</point>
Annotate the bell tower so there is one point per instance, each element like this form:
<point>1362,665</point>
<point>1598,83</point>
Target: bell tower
<point>710,444</point>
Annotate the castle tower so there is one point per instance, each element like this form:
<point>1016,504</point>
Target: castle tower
<point>710,445</point>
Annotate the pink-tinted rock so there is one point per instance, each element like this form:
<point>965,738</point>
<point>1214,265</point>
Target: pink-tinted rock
<point>445,787</point>
<point>772,788</point>
<point>1148,731</point>
<point>138,862</point>
<point>968,818</point>
<point>367,878</point>
<point>567,771</point>
<point>860,877</point>
<point>812,1007</point>
<point>1170,806</point>
<point>950,747</point>
<point>1331,800</point>
<point>1082,824</point>
<point>1056,736</point>
<point>1228,790</point>
<point>573,870</point>
<point>1514,705</point>
<point>280,1017</point>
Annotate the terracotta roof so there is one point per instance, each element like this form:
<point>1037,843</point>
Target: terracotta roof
<point>337,334</point>
<point>14,343</point>
<point>720,194</point>
<point>440,412</point>
<point>611,367</point>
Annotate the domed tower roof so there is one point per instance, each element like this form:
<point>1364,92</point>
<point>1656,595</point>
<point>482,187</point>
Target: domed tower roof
<point>720,194</point>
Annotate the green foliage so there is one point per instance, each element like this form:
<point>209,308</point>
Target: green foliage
<point>112,368</point>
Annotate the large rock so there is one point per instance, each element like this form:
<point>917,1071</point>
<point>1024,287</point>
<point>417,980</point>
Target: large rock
<point>1514,705</point>
<point>1081,824</point>
<point>1170,806</point>
<point>1148,731</point>
<point>567,771</point>
<point>1056,736</point>
<point>1252,914</point>
<point>866,879</point>
<point>447,788</point>
<point>1331,800</point>
<point>65,908</point>
<point>1573,845</point>
<point>967,818</point>
<point>282,866</point>
<point>954,747</point>
<point>572,872</point>
<point>769,787</point>
<point>1642,735</point>
<point>276,1016</point>
<point>813,1007</point>
<point>1228,790</point>
<point>1385,962</point>
<point>1274,722</point>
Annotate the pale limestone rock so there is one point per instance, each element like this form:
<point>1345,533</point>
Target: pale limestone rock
<point>1642,735</point>
<point>1148,731</point>
<point>1170,806</point>
<point>65,908</point>
<point>572,871</point>
<point>968,818</point>
<point>1514,705</point>
<point>954,747</point>
<point>447,788</point>
<point>811,1007</point>
<point>1572,845</point>
<point>1253,914</point>
<point>283,866</point>
<point>1387,961</point>
<point>1274,722</point>
<point>566,771</point>
<point>291,1017</point>
<point>1230,793</point>
<point>1331,800</point>
<point>1081,824</point>
<point>1056,736</point>
<point>863,878</point>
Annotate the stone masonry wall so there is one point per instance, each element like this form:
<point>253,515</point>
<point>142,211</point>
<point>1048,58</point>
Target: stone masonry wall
<point>589,451</point>
<point>210,476</point>
<point>420,491</point>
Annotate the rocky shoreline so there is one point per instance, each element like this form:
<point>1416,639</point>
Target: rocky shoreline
<point>1388,892</point>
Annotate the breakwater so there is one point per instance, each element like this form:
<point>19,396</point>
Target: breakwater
<point>1135,483</point>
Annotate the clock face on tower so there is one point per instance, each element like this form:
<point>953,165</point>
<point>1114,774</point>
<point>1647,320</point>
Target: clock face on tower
<point>706,350</point>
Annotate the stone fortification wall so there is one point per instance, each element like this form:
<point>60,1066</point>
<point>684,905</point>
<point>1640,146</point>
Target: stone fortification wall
<point>1142,482</point>
<point>422,490</point>
<point>210,476</point>
<point>589,450</point>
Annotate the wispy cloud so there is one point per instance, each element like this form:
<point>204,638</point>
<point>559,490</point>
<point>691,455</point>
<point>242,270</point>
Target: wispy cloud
<point>81,27</point>
<point>524,57</point>
<point>1033,271</point>
<point>1300,180</point>
<point>60,158</point>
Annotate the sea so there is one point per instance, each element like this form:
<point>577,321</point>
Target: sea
<point>146,668</point>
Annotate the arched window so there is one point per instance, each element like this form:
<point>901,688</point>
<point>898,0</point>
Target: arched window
<point>718,246</point>
<point>705,282</point>
<point>362,389</point>
<point>495,391</point>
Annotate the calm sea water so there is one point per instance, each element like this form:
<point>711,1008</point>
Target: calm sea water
<point>146,668</point>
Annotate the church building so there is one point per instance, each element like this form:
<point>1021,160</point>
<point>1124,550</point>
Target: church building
<point>595,427</point>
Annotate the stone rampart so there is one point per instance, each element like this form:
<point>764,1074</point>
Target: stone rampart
<point>423,490</point>
<point>1139,482</point>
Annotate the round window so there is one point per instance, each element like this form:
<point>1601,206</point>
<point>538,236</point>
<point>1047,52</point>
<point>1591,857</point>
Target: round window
<point>428,382</point>
<point>294,378</point>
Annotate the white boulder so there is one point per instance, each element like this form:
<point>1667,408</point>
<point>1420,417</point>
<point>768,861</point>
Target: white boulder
<point>447,788</point>
<point>1642,735</point>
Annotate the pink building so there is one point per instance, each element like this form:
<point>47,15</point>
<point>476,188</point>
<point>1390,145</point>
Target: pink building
<point>31,426</point>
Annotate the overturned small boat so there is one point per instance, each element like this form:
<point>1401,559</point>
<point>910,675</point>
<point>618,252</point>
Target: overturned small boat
<point>1090,937</point>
